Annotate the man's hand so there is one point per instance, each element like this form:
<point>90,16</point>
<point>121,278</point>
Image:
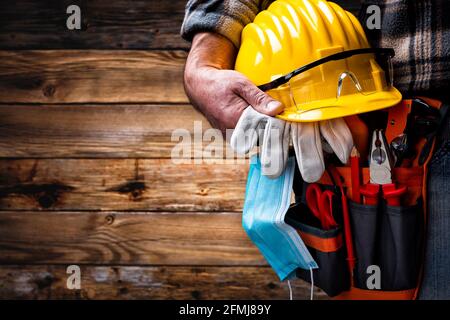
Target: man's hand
<point>219,92</point>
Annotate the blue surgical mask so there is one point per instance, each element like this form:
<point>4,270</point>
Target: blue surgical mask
<point>266,203</point>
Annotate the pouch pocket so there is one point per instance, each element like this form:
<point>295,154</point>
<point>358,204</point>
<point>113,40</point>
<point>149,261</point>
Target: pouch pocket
<point>400,247</point>
<point>364,221</point>
<point>326,247</point>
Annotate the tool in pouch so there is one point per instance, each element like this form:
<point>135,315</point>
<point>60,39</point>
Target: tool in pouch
<point>424,122</point>
<point>381,164</point>
<point>321,205</point>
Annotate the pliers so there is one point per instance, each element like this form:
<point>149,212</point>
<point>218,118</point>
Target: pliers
<point>380,167</point>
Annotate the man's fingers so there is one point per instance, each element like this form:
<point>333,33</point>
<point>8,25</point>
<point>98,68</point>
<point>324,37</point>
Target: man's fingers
<point>257,98</point>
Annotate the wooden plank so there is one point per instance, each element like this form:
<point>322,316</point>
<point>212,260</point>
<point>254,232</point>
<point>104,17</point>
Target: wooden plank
<point>97,76</point>
<point>127,24</point>
<point>121,184</point>
<point>106,131</point>
<point>165,282</point>
<point>118,24</point>
<point>125,238</point>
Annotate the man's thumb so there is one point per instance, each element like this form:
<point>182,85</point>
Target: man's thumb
<point>258,99</point>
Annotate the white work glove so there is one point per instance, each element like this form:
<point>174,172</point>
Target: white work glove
<point>306,137</point>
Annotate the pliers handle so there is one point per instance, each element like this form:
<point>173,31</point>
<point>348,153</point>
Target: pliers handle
<point>370,192</point>
<point>321,205</point>
<point>391,193</point>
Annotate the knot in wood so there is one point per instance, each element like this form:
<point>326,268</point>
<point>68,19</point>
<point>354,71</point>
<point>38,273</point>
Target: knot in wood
<point>49,90</point>
<point>109,219</point>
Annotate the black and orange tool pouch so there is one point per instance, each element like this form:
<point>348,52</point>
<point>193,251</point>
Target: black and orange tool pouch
<point>327,247</point>
<point>390,238</point>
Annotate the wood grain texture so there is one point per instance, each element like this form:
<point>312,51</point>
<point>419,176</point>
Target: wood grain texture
<point>106,24</point>
<point>97,76</point>
<point>113,24</point>
<point>139,225</point>
<point>121,184</point>
<point>107,131</point>
<point>166,282</point>
<point>125,238</point>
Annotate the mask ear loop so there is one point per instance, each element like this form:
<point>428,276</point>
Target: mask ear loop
<point>341,79</point>
<point>312,283</point>
<point>290,289</point>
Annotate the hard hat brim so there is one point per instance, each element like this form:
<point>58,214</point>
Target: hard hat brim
<point>344,106</point>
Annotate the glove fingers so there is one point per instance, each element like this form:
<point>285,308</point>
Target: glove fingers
<point>308,150</point>
<point>274,148</point>
<point>338,136</point>
<point>286,140</point>
<point>245,135</point>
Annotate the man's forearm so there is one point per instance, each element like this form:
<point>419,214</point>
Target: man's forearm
<point>210,50</point>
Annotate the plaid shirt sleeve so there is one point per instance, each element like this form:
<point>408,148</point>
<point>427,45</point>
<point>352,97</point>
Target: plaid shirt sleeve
<point>225,17</point>
<point>419,31</point>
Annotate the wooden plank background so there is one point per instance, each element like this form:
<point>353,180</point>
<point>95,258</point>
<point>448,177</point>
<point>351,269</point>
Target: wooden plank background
<point>87,174</point>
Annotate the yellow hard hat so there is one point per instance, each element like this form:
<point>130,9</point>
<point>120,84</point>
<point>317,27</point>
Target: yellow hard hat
<point>315,58</point>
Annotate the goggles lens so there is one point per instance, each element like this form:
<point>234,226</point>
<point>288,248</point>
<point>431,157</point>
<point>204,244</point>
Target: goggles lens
<point>360,71</point>
<point>359,74</point>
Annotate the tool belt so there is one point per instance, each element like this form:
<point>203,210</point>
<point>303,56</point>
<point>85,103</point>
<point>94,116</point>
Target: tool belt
<point>369,240</point>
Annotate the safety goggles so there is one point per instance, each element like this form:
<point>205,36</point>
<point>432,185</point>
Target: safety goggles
<point>369,71</point>
<point>383,57</point>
